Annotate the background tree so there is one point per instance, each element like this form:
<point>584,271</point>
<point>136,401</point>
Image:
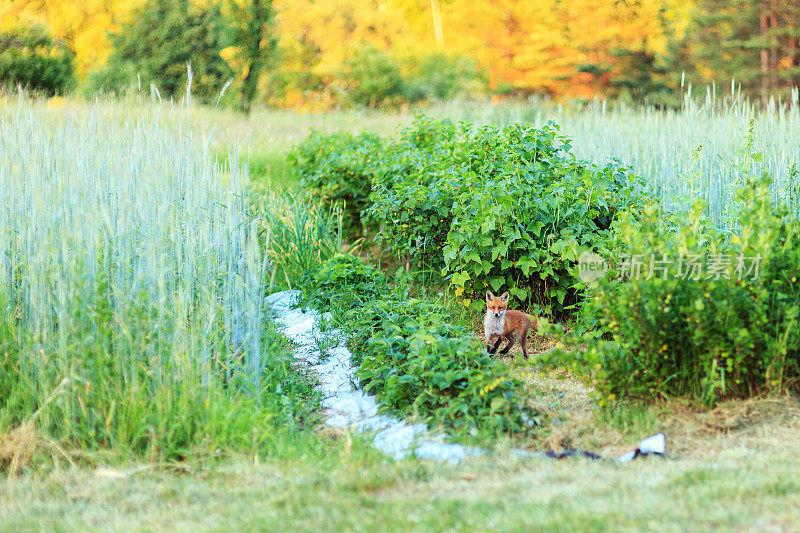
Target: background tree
<point>83,24</point>
<point>560,48</point>
<point>164,35</point>
<point>255,43</point>
<point>714,47</point>
<point>441,76</point>
<point>32,58</point>
<point>371,77</point>
<point>754,42</point>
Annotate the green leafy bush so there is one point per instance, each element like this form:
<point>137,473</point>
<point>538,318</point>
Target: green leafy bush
<point>420,365</point>
<point>413,357</point>
<point>424,175</point>
<point>371,78</point>
<point>500,208</point>
<point>338,169</point>
<point>32,58</point>
<point>413,190</point>
<point>732,332</point>
<point>440,76</point>
<point>523,229</point>
<point>116,77</point>
<point>343,281</point>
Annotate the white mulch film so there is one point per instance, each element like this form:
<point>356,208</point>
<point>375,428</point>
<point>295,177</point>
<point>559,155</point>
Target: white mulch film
<point>348,406</point>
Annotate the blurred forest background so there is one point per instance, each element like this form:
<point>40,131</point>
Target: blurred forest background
<point>319,54</point>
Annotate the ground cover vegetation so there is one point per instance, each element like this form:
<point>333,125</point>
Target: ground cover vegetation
<point>414,356</point>
<point>357,489</point>
<point>510,208</point>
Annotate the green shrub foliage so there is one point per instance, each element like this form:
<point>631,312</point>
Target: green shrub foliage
<point>115,77</point>
<point>419,364</point>
<point>371,77</point>
<point>520,223</point>
<point>500,208</point>
<point>440,76</point>
<point>32,58</point>
<point>344,281</point>
<point>338,169</point>
<point>413,191</point>
<point>413,358</point>
<point>160,39</point>
<point>715,316</point>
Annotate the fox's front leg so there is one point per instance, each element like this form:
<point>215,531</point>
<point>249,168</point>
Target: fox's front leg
<point>511,340</point>
<point>493,348</point>
<point>489,348</point>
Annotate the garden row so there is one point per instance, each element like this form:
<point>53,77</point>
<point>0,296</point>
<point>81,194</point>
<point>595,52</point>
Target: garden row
<point>413,356</point>
<point>686,309</point>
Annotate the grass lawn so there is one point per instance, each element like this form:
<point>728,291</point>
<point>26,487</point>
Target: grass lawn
<point>742,477</point>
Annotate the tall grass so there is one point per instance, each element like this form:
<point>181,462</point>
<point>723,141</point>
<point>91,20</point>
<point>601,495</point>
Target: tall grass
<point>678,152</point>
<point>690,151</point>
<point>298,233</point>
<point>131,286</point>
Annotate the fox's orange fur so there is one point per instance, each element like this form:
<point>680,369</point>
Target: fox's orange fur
<point>502,323</point>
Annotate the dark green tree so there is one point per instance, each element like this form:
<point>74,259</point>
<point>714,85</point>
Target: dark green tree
<point>164,35</point>
<point>30,57</point>
<point>715,49</point>
<point>371,77</point>
<point>253,25</point>
<point>754,42</point>
<point>635,72</point>
<point>439,76</point>
<point>644,78</point>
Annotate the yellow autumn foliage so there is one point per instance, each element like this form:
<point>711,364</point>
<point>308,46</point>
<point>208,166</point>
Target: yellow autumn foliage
<point>528,46</point>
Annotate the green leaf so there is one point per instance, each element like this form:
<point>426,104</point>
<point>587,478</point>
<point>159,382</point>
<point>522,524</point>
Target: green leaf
<point>498,403</point>
<point>496,282</point>
<point>460,278</point>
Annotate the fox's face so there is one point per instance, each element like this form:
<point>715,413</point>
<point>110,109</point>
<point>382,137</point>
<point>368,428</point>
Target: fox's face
<point>496,305</point>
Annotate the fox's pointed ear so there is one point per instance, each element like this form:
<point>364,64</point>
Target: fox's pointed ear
<point>489,296</point>
<point>505,296</point>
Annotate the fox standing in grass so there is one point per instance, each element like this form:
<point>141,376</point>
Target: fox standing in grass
<point>502,323</point>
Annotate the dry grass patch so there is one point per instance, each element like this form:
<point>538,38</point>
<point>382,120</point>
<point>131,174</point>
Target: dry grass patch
<point>576,420</point>
<point>17,447</point>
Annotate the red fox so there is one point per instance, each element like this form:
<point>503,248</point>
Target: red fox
<point>502,323</point>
